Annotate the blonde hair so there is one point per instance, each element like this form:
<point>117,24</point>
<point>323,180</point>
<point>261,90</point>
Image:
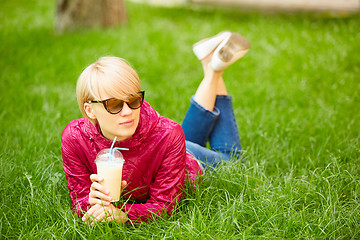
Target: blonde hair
<point>110,75</point>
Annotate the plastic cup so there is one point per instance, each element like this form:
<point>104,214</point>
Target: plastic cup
<point>110,166</point>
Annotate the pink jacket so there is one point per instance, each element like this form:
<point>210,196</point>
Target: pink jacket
<point>155,166</point>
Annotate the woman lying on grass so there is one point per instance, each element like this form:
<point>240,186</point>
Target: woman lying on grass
<point>161,153</point>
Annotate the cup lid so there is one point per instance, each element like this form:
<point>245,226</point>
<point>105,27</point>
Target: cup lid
<point>106,155</point>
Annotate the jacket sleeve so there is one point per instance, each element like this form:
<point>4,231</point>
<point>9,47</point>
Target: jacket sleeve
<point>166,187</point>
<point>76,170</point>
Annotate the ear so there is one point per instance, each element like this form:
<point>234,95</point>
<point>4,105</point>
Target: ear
<point>89,111</point>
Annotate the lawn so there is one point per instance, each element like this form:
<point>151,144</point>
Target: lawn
<point>296,99</point>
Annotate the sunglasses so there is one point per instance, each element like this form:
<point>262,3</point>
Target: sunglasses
<point>114,106</point>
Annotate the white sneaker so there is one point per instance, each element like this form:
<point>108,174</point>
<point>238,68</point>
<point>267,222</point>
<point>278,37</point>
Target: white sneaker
<point>206,46</point>
<point>231,49</point>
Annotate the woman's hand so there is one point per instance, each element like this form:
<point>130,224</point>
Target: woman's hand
<point>101,213</point>
<point>98,193</point>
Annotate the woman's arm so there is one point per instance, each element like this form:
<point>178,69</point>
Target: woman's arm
<point>76,170</point>
<point>166,187</point>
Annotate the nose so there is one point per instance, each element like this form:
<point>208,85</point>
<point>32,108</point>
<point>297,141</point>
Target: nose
<point>125,110</point>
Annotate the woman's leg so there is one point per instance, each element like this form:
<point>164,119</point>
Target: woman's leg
<point>203,116</point>
<point>211,85</point>
<point>210,116</point>
<point>224,137</point>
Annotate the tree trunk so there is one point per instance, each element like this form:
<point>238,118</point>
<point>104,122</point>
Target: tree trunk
<point>72,15</point>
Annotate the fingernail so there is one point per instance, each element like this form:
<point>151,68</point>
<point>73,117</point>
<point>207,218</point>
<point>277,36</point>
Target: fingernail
<point>109,198</point>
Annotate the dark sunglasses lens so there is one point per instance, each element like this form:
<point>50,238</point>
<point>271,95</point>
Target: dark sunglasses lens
<point>135,102</point>
<point>115,105</point>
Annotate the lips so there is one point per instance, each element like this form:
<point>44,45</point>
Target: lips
<point>127,123</point>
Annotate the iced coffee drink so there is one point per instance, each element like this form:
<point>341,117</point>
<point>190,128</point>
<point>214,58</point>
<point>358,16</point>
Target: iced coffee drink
<point>109,165</point>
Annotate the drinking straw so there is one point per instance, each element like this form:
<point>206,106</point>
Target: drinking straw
<point>111,149</point>
<point>117,148</point>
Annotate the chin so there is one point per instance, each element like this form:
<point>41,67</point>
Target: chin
<point>124,135</point>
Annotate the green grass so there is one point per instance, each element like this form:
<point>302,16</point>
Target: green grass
<point>296,98</point>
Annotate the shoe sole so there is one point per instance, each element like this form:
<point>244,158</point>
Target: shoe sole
<point>206,39</point>
<point>205,46</point>
<point>235,44</point>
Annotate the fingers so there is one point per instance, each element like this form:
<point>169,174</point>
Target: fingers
<point>99,194</point>
<point>89,215</point>
<point>103,215</point>
<point>95,186</point>
<point>123,184</point>
<point>99,198</point>
<point>98,213</point>
<point>96,197</point>
<point>96,178</point>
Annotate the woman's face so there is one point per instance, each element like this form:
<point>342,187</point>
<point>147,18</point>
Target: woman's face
<point>123,124</point>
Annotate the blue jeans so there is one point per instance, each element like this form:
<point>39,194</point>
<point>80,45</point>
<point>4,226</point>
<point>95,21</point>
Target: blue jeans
<point>218,127</point>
